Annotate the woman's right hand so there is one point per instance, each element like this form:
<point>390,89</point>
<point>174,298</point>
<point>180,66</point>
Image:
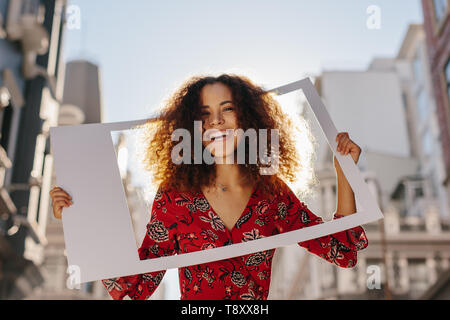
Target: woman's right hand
<point>60,199</point>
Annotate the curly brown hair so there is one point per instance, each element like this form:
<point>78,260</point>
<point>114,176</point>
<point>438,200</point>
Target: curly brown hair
<point>256,108</point>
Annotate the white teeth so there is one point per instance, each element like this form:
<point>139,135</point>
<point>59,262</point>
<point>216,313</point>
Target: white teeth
<point>218,135</point>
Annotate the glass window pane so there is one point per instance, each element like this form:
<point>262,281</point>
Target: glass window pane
<point>434,183</point>
<point>427,143</point>
<point>440,7</point>
<point>418,277</point>
<point>447,77</point>
<point>417,65</point>
<point>422,105</point>
<point>447,72</point>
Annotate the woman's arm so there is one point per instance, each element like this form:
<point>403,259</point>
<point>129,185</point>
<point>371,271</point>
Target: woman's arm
<point>159,241</point>
<point>345,197</point>
<point>339,248</point>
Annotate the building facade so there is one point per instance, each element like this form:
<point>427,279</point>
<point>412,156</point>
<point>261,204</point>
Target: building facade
<point>390,111</point>
<point>80,104</point>
<point>437,29</point>
<point>31,33</point>
<point>412,69</point>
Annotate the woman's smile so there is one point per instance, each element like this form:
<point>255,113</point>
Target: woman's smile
<point>219,135</point>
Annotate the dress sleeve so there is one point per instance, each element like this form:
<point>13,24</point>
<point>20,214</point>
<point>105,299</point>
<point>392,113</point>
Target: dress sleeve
<point>339,248</point>
<point>160,240</point>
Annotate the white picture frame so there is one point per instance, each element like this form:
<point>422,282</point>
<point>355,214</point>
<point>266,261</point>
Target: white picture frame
<point>98,231</point>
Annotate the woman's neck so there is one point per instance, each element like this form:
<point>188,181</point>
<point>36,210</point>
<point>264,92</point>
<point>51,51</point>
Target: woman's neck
<point>230,176</point>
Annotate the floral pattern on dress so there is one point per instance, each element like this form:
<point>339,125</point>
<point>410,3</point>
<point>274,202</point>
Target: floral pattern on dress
<point>186,222</point>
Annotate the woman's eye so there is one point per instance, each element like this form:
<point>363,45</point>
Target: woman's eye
<point>204,113</point>
<point>229,108</point>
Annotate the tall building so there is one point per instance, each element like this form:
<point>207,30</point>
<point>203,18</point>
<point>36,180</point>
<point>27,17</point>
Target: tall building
<point>30,78</point>
<point>31,33</point>
<point>437,29</point>
<point>82,89</point>
<point>412,69</point>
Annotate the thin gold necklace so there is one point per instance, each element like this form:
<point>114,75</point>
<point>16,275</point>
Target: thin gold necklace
<point>224,188</point>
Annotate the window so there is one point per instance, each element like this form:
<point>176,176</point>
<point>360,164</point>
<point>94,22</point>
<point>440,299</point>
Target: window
<point>6,126</point>
<point>418,277</point>
<point>30,7</point>
<point>418,191</point>
<point>440,9</point>
<point>422,105</point>
<point>427,143</point>
<point>404,101</point>
<point>88,287</point>
<point>447,78</point>
<point>435,185</point>
<point>418,69</point>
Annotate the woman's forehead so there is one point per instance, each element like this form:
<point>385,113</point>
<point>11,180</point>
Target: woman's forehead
<point>214,92</point>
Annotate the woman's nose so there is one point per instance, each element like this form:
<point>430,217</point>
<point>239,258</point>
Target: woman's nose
<point>217,119</point>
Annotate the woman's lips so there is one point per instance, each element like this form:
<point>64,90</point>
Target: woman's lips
<point>219,135</point>
<point>221,142</point>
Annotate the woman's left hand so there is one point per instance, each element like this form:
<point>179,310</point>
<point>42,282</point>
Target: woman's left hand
<point>346,146</point>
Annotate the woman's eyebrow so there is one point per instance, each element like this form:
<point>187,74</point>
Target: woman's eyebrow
<point>222,103</point>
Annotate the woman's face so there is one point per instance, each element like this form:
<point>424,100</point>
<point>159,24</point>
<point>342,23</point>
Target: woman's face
<point>218,113</point>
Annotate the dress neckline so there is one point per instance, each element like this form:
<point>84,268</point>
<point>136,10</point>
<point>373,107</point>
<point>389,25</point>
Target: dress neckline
<point>244,211</point>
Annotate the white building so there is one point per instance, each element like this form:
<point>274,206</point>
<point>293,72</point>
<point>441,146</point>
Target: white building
<point>388,111</point>
<point>412,67</point>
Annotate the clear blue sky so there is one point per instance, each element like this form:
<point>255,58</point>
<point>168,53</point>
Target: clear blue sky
<point>145,49</point>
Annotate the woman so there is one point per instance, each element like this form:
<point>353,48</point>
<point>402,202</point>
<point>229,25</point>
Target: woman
<point>200,206</point>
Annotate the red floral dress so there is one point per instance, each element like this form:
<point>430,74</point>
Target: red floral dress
<point>185,222</point>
